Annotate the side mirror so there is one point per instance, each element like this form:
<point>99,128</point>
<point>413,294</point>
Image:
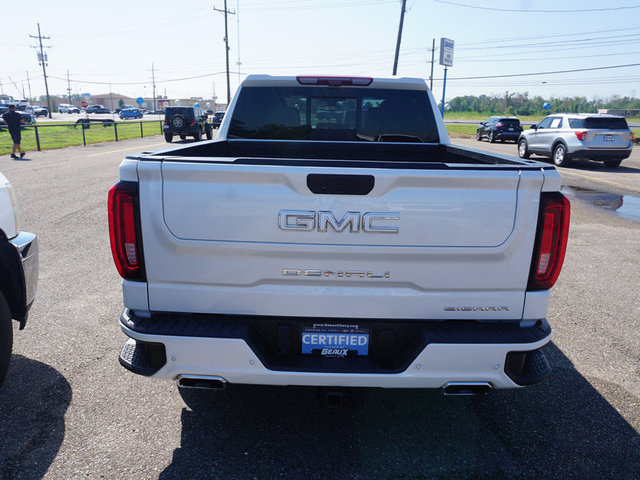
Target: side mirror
<point>534,127</point>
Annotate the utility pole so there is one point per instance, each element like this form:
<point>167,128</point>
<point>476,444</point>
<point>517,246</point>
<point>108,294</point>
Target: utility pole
<point>69,87</point>
<point>395,61</point>
<point>239,63</point>
<point>433,54</point>
<point>42,58</point>
<point>153,79</point>
<point>29,84</point>
<point>226,43</point>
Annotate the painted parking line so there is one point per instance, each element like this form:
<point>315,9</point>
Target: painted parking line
<point>621,185</point>
<point>139,148</point>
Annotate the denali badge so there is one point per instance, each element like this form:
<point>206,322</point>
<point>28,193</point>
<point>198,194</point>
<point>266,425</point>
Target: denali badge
<point>353,222</point>
<point>314,272</point>
<point>489,308</point>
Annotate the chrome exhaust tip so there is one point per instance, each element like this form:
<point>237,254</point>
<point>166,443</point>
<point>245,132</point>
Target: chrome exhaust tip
<point>202,382</point>
<point>466,388</point>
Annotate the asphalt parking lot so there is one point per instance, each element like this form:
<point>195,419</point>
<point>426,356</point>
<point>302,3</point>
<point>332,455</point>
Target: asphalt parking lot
<point>68,410</point>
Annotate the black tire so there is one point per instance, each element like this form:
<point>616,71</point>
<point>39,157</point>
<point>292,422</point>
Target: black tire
<point>209,133</point>
<point>492,138</point>
<point>6,338</point>
<point>182,137</point>
<point>523,149</point>
<point>560,156</point>
<point>177,122</point>
<point>168,137</point>
<point>198,136</point>
<point>478,136</point>
<point>612,163</point>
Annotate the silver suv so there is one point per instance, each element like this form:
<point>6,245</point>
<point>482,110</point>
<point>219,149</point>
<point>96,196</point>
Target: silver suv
<point>568,136</point>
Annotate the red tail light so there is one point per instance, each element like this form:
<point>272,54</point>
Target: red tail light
<point>124,230</point>
<point>633,136</point>
<point>166,122</point>
<point>581,135</point>
<point>551,241</point>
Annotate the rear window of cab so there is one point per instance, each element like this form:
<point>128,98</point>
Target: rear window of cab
<point>334,114</point>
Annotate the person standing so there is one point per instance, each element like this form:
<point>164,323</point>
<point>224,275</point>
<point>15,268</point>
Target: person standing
<point>13,120</point>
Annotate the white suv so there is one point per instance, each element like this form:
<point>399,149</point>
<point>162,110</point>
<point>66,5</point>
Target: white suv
<point>568,136</point>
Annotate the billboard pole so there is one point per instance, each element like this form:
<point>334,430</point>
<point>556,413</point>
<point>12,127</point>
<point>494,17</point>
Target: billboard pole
<point>444,88</point>
<point>446,60</point>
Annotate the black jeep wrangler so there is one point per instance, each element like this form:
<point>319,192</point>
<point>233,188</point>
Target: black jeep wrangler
<point>183,121</point>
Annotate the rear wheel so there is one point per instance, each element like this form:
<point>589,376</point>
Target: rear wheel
<point>523,150</point>
<point>612,163</point>
<point>182,137</point>
<point>560,156</point>
<point>168,137</point>
<point>6,338</point>
<point>492,138</point>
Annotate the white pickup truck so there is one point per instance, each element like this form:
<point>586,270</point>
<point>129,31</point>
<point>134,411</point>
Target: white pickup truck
<point>332,236</point>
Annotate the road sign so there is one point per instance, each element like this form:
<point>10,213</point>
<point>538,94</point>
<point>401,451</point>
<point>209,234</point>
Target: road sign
<point>139,100</point>
<point>446,52</point>
<point>83,104</point>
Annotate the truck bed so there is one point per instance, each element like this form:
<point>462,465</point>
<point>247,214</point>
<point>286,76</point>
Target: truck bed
<point>384,154</point>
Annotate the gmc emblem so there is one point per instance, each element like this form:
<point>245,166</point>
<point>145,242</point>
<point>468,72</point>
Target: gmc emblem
<point>352,222</point>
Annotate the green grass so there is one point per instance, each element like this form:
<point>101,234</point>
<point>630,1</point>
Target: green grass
<point>61,136</point>
<point>462,131</point>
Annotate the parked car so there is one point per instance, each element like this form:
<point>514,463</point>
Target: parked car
<point>68,108</point>
<point>568,136</point>
<point>41,111</point>
<point>18,275</point>
<point>97,109</point>
<point>117,110</point>
<point>130,113</point>
<point>499,128</point>
<point>186,121</point>
<point>28,114</point>
<point>217,119</point>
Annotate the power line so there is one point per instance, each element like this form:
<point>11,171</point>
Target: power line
<point>575,10</point>
<point>547,73</point>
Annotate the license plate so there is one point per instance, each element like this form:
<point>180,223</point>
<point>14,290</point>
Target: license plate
<point>609,138</point>
<point>511,129</point>
<point>331,340</point>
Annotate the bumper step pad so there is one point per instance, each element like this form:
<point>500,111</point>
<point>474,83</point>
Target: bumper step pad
<point>527,368</point>
<point>142,358</point>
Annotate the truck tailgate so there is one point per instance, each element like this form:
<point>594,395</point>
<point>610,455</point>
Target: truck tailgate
<point>249,239</point>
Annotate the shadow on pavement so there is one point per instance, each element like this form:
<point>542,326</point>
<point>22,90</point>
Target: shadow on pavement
<point>33,401</point>
<point>562,428</point>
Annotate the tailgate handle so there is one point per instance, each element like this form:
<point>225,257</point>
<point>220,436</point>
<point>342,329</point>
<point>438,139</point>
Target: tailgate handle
<point>327,184</point>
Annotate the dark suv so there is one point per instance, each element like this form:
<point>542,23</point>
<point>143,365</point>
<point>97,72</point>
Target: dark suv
<point>499,128</point>
<point>183,121</point>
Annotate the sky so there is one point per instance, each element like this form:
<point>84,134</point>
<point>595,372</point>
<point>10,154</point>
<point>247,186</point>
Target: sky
<point>517,46</point>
